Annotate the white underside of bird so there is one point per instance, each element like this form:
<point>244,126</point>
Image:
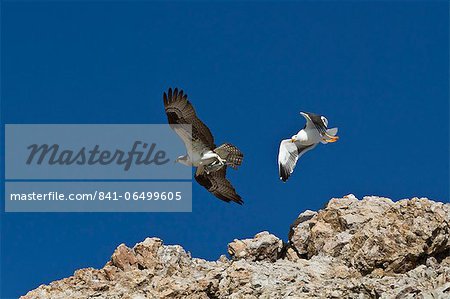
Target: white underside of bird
<point>198,156</point>
<point>314,132</point>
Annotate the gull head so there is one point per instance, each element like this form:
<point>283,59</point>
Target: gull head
<point>294,138</point>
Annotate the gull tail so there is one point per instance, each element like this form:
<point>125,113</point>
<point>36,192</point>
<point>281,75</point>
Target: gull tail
<point>231,154</point>
<point>331,132</point>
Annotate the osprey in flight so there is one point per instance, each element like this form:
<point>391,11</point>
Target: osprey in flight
<point>315,131</point>
<point>211,161</point>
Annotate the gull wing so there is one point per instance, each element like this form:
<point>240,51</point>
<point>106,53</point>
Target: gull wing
<point>288,155</point>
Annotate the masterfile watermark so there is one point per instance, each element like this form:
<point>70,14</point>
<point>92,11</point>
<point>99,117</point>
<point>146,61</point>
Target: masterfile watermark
<point>52,154</point>
<point>38,196</point>
<point>93,152</point>
<point>98,196</point>
<point>69,168</point>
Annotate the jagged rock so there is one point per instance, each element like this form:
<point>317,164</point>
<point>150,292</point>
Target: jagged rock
<point>123,258</point>
<point>375,232</point>
<point>264,246</point>
<point>373,248</point>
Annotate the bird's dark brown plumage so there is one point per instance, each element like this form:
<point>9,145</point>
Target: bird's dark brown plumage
<point>183,119</point>
<point>217,183</point>
<point>180,111</point>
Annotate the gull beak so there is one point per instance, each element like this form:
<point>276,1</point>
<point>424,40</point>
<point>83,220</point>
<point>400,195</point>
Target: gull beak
<point>293,140</point>
<point>333,139</point>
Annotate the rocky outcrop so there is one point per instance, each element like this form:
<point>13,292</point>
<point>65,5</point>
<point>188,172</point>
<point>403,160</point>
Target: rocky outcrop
<point>369,248</point>
<point>375,233</point>
<point>263,247</point>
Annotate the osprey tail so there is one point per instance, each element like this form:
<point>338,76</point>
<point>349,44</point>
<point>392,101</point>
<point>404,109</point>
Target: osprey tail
<point>231,154</point>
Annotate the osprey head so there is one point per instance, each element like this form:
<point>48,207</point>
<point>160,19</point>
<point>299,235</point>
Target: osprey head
<point>183,160</point>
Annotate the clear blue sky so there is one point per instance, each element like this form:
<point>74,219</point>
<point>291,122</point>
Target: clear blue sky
<point>377,70</point>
